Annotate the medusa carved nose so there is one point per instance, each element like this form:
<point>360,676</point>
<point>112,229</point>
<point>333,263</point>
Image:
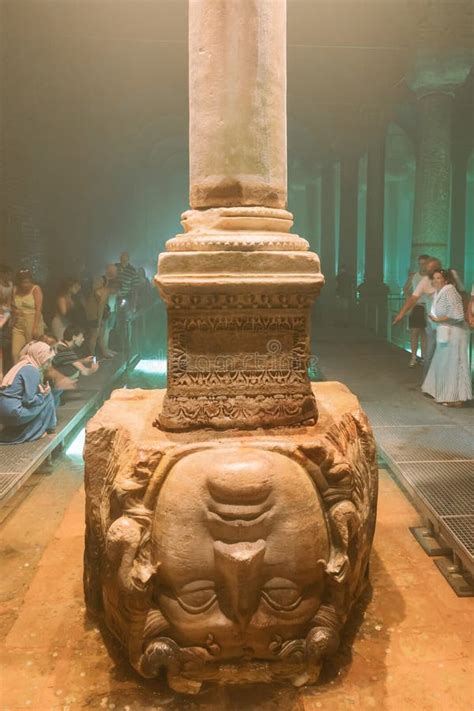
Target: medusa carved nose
<point>239,567</point>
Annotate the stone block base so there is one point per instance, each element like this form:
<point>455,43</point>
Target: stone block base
<point>230,556</point>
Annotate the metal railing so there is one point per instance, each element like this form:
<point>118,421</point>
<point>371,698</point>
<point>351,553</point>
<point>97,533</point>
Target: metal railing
<point>137,332</point>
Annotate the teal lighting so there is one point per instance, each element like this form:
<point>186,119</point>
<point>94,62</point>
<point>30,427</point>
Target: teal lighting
<point>76,447</point>
<point>153,366</point>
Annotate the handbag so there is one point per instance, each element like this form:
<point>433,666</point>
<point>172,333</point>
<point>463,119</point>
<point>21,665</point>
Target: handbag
<point>443,333</point>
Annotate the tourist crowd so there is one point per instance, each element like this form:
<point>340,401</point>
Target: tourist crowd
<point>42,354</point>
<point>440,314</point>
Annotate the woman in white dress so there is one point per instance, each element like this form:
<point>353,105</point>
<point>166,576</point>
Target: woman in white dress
<point>448,379</point>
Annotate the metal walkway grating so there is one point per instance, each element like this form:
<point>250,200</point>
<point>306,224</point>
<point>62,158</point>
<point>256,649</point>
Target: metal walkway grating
<point>428,447</point>
<point>397,415</point>
<point>427,443</point>
<point>463,528</point>
<point>441,480</point>
<point>447,486</point>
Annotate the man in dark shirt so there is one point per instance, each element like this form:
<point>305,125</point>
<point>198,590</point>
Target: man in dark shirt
<point>66,361</point>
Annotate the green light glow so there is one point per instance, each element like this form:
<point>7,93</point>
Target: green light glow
<point>155,366</point>
<point>76,447</point>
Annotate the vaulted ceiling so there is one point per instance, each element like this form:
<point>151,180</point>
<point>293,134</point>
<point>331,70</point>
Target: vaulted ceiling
<point>95,98</point>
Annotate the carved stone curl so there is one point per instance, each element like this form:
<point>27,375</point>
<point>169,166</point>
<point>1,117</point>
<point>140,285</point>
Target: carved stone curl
<point>231,557</point>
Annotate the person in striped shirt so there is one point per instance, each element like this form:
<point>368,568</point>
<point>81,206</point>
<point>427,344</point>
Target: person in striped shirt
<point>129,281</point>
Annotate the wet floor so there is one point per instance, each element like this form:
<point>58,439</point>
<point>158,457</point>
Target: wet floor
<point>408,645</point>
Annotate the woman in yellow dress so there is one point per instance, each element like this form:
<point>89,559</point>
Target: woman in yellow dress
<point>28,324</point>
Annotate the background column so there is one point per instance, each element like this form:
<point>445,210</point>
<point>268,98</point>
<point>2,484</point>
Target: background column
<point>460,157</point>
<point>374,242</point>
<point>348,216</point>
<point>328,229</point>
<point>434,81</point>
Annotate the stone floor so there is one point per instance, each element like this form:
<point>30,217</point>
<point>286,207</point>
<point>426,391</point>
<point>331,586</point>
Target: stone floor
<point>412,648</point>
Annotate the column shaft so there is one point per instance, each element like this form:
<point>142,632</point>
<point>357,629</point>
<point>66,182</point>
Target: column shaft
<point>374,232</point>
<point>312,233</point>
<point>348,216</point>
<point>432,189</point>
<point>328,225</point>
<point>238,123</point>
<point>458,207</point>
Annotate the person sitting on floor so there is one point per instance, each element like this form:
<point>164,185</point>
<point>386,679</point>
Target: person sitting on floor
<point>27,410</point>
<point>66,361</point>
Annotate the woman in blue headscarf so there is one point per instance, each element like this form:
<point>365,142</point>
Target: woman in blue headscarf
<point>27,409</point>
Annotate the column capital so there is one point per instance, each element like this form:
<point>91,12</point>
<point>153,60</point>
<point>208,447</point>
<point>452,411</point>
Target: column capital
<point>439,72</point>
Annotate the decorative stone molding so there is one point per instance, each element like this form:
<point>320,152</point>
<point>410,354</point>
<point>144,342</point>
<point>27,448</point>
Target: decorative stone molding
<point>239,301</point>
<point>237,229</point>
<point>238,242</point>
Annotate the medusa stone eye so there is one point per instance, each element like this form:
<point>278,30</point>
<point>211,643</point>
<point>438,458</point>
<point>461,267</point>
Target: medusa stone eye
<point>198,596</point>
<point>282,595</point>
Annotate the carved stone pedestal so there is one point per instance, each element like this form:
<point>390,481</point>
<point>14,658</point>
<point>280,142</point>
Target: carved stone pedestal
<point>231,557</point>
<point>238,290</point>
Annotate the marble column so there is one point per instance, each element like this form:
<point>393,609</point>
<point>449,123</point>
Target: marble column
<point>460,155</point>
<point>238,286</point>
<point>398,212</point>
<point>469,245</point>
<point>313,214</point>
<point>297,204</point>
<point>328,228</point>
<point>374,232</point>
<point>348,216</point>
<point>237,126</point>
<point>373,291</point>
<point>391,233</point>
<point>434,80</point>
